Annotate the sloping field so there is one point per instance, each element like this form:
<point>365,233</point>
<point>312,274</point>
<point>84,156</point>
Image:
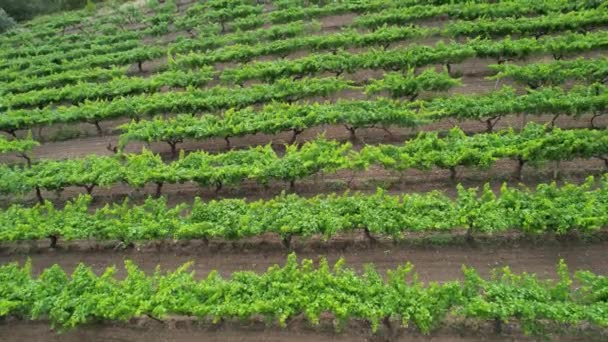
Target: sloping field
<point>295,170</point>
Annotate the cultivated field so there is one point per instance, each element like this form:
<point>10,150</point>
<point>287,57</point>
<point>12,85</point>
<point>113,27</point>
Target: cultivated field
<point>306,170</point>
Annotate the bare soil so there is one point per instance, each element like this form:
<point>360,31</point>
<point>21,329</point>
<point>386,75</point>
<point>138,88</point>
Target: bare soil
<point>189,330</point>
<point>440,262</point>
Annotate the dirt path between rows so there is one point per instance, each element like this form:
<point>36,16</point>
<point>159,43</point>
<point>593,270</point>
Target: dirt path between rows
<point>433,263</point>
<point>40,332</point>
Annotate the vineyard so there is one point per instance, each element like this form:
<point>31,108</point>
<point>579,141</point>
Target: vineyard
<point>273,170</point>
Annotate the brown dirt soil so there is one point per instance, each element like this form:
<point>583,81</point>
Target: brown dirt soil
<point>337,21</point>
<point>440,262</point>
<point>40,331</point>
<point>184,329</point>
<point>149,67</point>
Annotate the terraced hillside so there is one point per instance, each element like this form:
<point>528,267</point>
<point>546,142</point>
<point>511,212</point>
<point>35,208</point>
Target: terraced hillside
<point>218,139</point>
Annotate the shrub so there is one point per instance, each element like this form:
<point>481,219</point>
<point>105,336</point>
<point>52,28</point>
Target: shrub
<point>6,22</point>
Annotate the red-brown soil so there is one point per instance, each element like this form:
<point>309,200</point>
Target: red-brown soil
<point>440,262</point>
<point>191,331</point>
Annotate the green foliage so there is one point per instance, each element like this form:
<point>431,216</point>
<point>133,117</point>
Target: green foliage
<point>97,75</point>
<point>132,55</point>
<point>30,62</point>
<point>280,117</point>
<point>535,146</point>
<point>345,39</point>
<point>471,11</point>
<point>271,119</point>
<point>152,4</point>
<point>90,7</point>
<point>43,68</point>
<point>411,85</point>
<point>536,26</point>
<point>579,100</point>
<point>550,100</point>
<point>17,145</point>
<point>300,288</point>
<point>554,73</point>
<point>6,22</point>
<point>117,86</point>
<point>24,10</point>
<point>547,209</point>
<point>413,56</point>
<point>214,41</point>
<point>192,100</point>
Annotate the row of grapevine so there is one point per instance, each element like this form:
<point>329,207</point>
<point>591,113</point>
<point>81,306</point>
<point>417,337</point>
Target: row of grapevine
<point>217,40</point>
<point>409,85</point>
<point>271,119</point>
<point>233,16</point>
<point>206,12</point>
<point>52,48</point>
<point>21,147</point>
<point>161,19</point>
<point>308,13</point>
<point>275,32</point>
<point>534,146</point>
<point>492,107</point>
<point>321,42</point>
<point>536,26</point>
<point>589,99</point>
<point>547,209</point>
<point>396,84</point>
<point>116,87</point>
<point>334,41</point>
<point>474,11</point>
<point>137,55</point>
<point>247,37</point>
<point>244,53</point>
<point>550,23</point>
<point>90,91</point>
<point>397,299</point>
<point>487,28</point>
<point>378,13</point>
<point>382,113</point>
<point>219,90</point>
<point>235,13</point>
<point>412,56</point>
<point>535,75</point>
<point>548,100</point>
<point>62,79</point>
<point>104,41</point>
<point>44,22</point>
<point>29,62</point>
<point>339,40</point>
<point>345,7</point>
<point>192,100</point>
<point>287,4</point>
